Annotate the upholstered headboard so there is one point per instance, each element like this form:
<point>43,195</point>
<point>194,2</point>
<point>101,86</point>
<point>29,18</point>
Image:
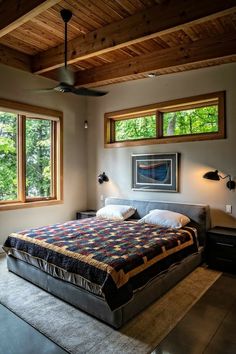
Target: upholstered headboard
<point>198,213</point>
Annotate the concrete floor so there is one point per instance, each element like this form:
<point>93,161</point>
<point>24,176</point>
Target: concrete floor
<point>18,337</point>
<point>209,326</point>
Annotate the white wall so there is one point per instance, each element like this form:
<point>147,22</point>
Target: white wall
<point>196,157</point>
<point>16,85</point>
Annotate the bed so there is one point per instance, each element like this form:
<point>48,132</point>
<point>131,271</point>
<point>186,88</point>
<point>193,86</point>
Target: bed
<point>115,269</point>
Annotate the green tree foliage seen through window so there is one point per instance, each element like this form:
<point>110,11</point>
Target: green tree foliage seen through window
<point>135,128</point>
<point>8,156</point>
<point>192,121</point>
<point>38,158</point>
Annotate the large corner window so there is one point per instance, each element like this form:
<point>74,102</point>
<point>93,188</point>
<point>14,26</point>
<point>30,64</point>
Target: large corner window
<point>194,118</point>
<point>30,155</point>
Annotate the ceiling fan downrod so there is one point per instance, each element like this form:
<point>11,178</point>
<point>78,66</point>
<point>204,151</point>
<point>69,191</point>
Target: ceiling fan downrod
<point>66,16</point>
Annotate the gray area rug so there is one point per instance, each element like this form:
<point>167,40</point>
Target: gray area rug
<point>78,333</point>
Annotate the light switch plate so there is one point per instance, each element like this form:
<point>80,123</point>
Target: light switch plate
<point>228,209</point>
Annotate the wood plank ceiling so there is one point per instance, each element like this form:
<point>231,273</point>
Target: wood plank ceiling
<point>117,40</point>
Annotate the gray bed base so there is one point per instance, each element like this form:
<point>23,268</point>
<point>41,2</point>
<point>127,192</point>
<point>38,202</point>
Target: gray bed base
<point>95,305</point>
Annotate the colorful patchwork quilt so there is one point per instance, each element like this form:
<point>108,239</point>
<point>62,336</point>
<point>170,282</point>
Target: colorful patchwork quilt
<point>112,258</point>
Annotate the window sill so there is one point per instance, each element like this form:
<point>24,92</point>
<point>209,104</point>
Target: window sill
<point>166,140</point>
<point>19,205</point>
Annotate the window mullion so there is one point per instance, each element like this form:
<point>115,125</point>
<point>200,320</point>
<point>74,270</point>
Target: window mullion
<point>21,158</point>
<point>112,130</point>
<point>53,160</point>
<point>159,124</point>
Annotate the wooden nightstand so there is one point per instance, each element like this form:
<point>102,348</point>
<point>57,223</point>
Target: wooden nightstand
<point>221,248</point>
<point>85,214</point>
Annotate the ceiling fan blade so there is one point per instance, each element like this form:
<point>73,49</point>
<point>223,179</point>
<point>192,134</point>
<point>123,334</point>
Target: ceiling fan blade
<point>66,75</point>
<point>87,92</point>
<point>43,90</point>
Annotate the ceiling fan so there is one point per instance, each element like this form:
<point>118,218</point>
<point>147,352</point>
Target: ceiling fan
<point>66,76</point>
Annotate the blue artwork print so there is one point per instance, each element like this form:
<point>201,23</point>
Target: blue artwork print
<point>153,171</point>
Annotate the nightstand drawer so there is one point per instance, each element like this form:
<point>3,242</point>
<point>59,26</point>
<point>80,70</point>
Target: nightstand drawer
<point>222,253</point>
<point>85,214</point>
<point>222,263</point>
<point>218,248</point>
<point>223,240</point>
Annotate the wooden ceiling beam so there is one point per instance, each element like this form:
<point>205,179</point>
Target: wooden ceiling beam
<point>216,47</point>
<point>14,58</point>
<point>14,13</point>
<point>162,18</point>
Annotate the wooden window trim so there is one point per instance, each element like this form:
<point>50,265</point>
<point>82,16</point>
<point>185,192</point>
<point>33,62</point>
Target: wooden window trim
<point>21,159</point>
<point>159,109</point>
<point>53,160</point>
<point>56,118</point>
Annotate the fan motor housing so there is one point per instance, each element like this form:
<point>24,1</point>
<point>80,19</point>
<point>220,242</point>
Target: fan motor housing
<point>66,15</point>
<point>62,87</point>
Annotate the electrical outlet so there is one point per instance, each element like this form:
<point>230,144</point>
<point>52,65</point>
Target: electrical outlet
<point>228,209</point>
<point>102,197</point>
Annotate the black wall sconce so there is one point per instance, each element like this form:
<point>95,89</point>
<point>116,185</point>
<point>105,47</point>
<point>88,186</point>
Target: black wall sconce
<point>214,175</point>
<point>103,178</point>
<point>85,124</point>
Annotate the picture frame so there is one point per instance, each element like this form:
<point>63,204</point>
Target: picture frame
<point>157,172</point>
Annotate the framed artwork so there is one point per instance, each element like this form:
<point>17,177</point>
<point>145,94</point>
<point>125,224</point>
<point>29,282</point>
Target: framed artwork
<point>155,172</point>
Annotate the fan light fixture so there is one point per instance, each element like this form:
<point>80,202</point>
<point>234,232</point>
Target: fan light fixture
<point>214,175</point>
<point>152,75</point>
<point>103,178</point>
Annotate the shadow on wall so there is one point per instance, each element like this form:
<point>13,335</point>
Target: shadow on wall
<point>107,190</point>
<point>220,218</point>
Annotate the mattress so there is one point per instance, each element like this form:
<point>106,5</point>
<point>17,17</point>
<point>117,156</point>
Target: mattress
<point>111,259</point>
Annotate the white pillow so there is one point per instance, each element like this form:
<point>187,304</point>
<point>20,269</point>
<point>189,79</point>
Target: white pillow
<point>165,218</point>
<point>116,212</point>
